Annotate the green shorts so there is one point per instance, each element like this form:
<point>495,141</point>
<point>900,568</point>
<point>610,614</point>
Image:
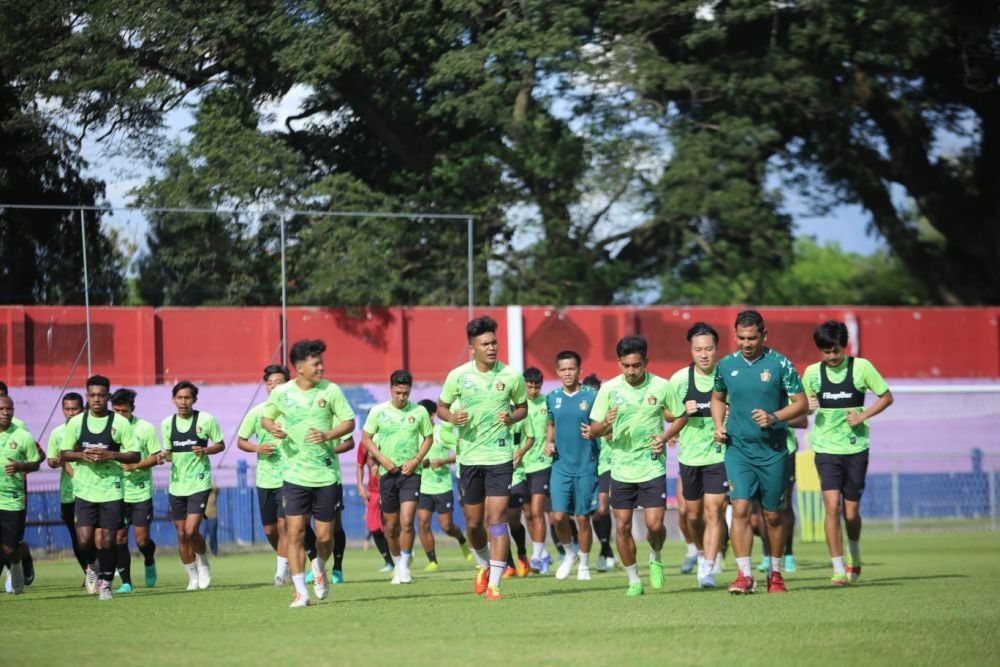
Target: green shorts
<point>751,479</point>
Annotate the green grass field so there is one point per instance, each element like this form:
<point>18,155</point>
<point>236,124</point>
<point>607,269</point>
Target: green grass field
<point>923,599</point>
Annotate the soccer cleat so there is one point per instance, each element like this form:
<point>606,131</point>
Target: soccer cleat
<point>840,579</point>
<point>299,601</point>
<point>204,574</point>
<point>523,567</point>
<point>546,563</point>
<point>466,551</point>
<point>634,590</point>
<point>395,577</point>
<point>583,574</point>
<point>104,590</point>
<point>17,582</point>
<point>789,564</point>
<point>91,580</point>
<point>193,584</point>
<point>536,565</point>
<point>853,570</point>
<point>706,580</point>
<point>6,586</point>
<point>482,580</point>
<point>493,592</point>
<point>776,584</point>
<point>336,577</point>
<point>566,566</point>
<point>656,574</point>
<point>279,581</point>
<point>718,567</point>
<point>405,577</point>
<point>602,564</point>
<point>611,564</point>
<point>124,588</point>
<point>509,573</point>
<point>150,575</point>
<point>743,585</point>
<point>764,565</point>
<point>321,586</point>
<point>432,567</point>
<point>386,568</point>
<point>28,564</point>
<point>310,575</point>
<point>687,567</point>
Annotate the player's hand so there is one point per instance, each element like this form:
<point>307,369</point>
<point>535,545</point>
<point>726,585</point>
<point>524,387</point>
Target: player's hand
<point>854,419</point>
<point>761,417</point>
<point>505,418</point>
<point>95,455</point>
<point>276,432</point>
<point>609,418</point>
<point>363,493</point>
<point>657,444</point>
<point>585,431</point>
<point>11,467</point>
<point>390,466</point>
<point>438,463</point>
<point>409,467</point>
<point>128,467</point>
<point>518,457</point>
<point>672,442</point>
<point>720,434</point>
<point>691,406</point>
<point>198,450</point>
<point>550,448</point>
<point>161,458</point>
<point>813,404</point>
<point>315,437</point>
<point>56,462</point>
<point>460,418</point>
<point>266,449</point>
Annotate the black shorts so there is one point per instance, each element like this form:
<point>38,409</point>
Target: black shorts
<point>12,527</point>
<point>442,503</point>
<point>269,504</point>
<point>538,482</point>
<point>109,515</point>
<point>396,489</point>
<point>696,481</point>
<point>181,506</point>
<point>628,496</point>
<point>518,495</point>
<point>477,482</point>
<point>843,472</point>
<point>604,482</point>
<point>139,513</point>
<point>791,471</point>
<point>322,502</point>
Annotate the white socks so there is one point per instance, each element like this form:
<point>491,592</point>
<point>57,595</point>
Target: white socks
<point>537,550</point>
<point>655,555</point>
<point>838,565</point>
<point>584,560</point>
<point>775,564</point>
<point>482,557</point>
<point>744,566</point>
<point>633,573</point>
<point>299,581</point>
<point>282,567</point>
<point>318,566</point>
<point>854,548</point>
<point>692,550</point>
<point>496,571</point>
<point>192,570</point>
<point>404,558</point>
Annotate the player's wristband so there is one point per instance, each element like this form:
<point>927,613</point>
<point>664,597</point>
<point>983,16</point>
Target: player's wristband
<point>775,418</point>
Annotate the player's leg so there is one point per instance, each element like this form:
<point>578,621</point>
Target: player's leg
<point>538,486</point>
<point>389,499</point>
<point>713,505</point>
<point>425,512</point>
<point>623,499</point>
<point>561,490</point>
<point>744,487</point>
<point>831,471</point>
<point>310,544</point>
<point>85,520</point>
<point>67,512</point>
<point>339,547</point>
<point>444,504</point>
<point>788,513</point>
<point>373,521</point>
<point>473,483</point>
<point>267,504</point>
<point>684,523</point>
<point>497,483</point>
<point>199,547</point>
<point>774,482</point>
<point>297,502</point>
<point>653,499</point>
<point>123,555</point>
<point>407,511</point>
<point>584,506</point>
<point>326,502</point>
<point>690,491</point>
<point>856,471</point>
<point>10,543</point>
<point>602,524</point>
<point>111,516</point>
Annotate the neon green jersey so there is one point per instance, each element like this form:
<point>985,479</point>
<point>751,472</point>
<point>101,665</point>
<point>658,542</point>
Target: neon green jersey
<point>438,480</point>
<point>401,431</point>
<point>639,419</point>
<point>139,483</point>
<point>16,445</point>
<point>519,431</point>
<point>696,442</point>
<point>269,466</point>
<point>537,428</point>
<point>831,434</point>
<point>65,480</point>
<point>98,481</point>
<point>323,407</point>
<point>189,472</point>
<point>485,440</point>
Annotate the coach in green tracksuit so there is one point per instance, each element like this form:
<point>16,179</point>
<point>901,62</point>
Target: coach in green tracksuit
<point>764,392</point>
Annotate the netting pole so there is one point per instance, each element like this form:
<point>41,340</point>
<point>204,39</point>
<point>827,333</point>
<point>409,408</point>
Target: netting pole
<point>991,485</point>
<point>284,297</point>
<point>895,497</point>
<point>468,262</point>
<point>86,290</point>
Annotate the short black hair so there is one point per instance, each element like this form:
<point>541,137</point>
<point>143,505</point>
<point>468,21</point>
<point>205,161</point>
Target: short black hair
<point>750,318</point>
<point>277,368</point>
<point>98,381</point>
<point>592,381</point>
<point>303,349</point>
<point>3,388</point>
<point>569,354</point>
<point>703,329</point>
<point>185,384</point>
<point>401,376</point>
<point>73,396</point>
<point>830,333</point>
<point>534,375</point>
<point>479,326</point>
<point>430,406</point>
<point>124,396</point>
<point>631,345</point>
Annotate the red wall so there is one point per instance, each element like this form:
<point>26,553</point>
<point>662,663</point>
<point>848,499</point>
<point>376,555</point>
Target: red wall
<point>38,345</point>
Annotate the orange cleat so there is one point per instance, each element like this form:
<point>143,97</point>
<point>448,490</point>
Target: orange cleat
<point>482,580</point>
<point>493,593</point>
<point>523,566</point>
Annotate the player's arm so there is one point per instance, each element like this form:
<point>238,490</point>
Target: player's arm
<point>345,445</point>
<point>359,472</point>
<point>718,409</point>
<point>519,412</point>
<point>417,460</point>
<point>376,453</point>
<point>148,462</point>
<point>798,406</point>
<point>69,447</point>
<point>880,404</point>
<point>802,421</point>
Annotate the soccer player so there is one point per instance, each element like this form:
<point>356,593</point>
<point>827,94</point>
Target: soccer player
<point>602,516</point>
<point>574,463</point>
<point>72,405</point>
<point>519,496</point>
<point>373,515</point>
<point>189,438</point>
<point>316,417</point>
<point>268,475</point>
<point>485,388</point>
<point>437,492</point>
<point>703,483</point>
<point>138,479</point>
<point>631,407</point>
<point>345,445</point>
<point>405,436</point>
<point>758,383</point>
<point>19,455</point>
<point>836,387</point>
<point>98,441</point>
<point>537,468</point>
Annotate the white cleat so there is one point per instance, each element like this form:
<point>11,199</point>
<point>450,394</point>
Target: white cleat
<point>395,577</point>
<point>204,575</point>
<point>279,581</point>
<point>17,579</point>
<point>718,567</point>
<point>405,577</point>
<point>611,564</point>
<point>91,581</point>
<point>104,591</point>
<point>321,585</point>
<point>706,579</point>
<point>566,566</point>
<point>602,564</point>
<point>583,574</point>
<point>192,584</point>
<point>299,601</point>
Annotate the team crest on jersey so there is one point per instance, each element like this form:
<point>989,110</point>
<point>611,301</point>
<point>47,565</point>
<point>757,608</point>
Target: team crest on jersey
<point>321,403</point>
<point>584,405</point>
<point>13,445</point>
<point>651,400</point>
<point>411,419</point>
<point>558,402</point>
<point>500,386</point>
<point>467,382</point>
<point>543,411</point>
<point>765,376</point>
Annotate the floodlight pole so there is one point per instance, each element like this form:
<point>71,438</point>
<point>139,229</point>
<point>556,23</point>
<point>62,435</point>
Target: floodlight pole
<point>284,297</point>
<point>468,261</point>
<point>86,290</point>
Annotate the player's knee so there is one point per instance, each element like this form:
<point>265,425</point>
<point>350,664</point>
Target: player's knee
<point>558,517</point>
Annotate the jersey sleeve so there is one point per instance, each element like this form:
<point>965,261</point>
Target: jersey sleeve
<point>426,427</point>
<point>212,430</point>
<point>248,427</point>
<point>550,415</point>
<point>720,380</point>
<point>361,456</point>
<point>70,435</point>
<point>31,451</point>
<point>271,407</point>
<point>790,379</point>
<point>125,435</point>
<point>165,435</point>
<point>449,391</point>
<point>55,438</point>
<point>371,421</point>
<point>518,393</point>
<point>600,409</point>
<point>810,380</point>
<point>870,378</point>
<point>673,401</point>
<point>339,406</point>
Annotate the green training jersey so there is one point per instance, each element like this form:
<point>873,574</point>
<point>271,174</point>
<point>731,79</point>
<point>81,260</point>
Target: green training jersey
<point>65,480</point>
<point>604,458</point>
<point>765,383</point>
<point>639,419</point>
<point>139,483</point>
<point>696,442</point>
<point>438,480</point>
<point>831,434</point>
<point>520,433</point>
<point>323,407</point>
<point>16,445</point>
<point>401,431</point>
<point>99,481</point>
<point>485,439</point>
<point>269,466</point>
<point>189,473</point>
<point>537,420</point>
